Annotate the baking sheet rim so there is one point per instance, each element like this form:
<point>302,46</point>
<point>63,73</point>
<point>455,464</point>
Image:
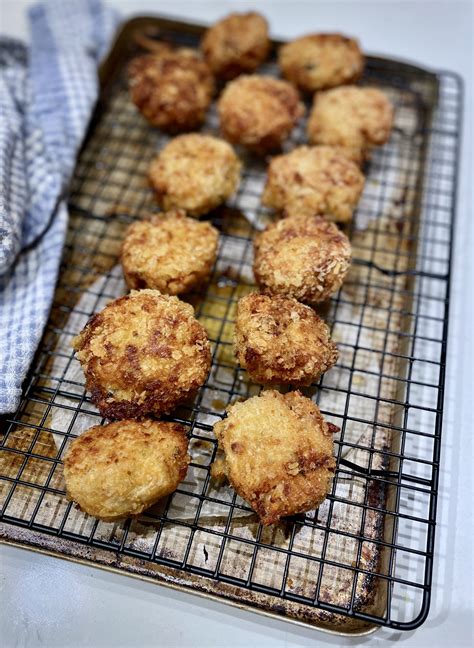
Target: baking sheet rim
<point>224,600</point>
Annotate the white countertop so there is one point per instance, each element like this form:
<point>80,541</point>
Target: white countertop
<point>50,602</point>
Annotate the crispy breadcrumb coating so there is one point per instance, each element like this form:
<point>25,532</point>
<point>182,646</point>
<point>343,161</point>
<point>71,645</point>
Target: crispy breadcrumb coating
<point>305,257</point>
<point>143,353</point>
<point>169,252</point>
<point>280,341</point>
<point>355,119</point>
<point>238,43</point>
<point>196,173</point>
<point>320,61</point>
<point>121,469</point>
<point>314,180</point>
<point>172,89</point>
<point>259,112</point>
<point>278,454</point>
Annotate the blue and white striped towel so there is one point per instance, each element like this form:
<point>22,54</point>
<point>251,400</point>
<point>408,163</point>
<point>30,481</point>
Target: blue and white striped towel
<point>46,98</point>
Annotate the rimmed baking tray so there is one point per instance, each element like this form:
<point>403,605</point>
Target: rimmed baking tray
<point>364,559</point>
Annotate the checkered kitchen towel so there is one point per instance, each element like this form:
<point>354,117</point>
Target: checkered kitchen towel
<point>46,98</point>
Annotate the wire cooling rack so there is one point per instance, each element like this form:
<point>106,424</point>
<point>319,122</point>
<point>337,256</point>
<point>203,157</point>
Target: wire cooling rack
<point>365,557</point>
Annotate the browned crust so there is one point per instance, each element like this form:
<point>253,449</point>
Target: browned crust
<point>314,180</point>
<point>352,118</point>
<point>280,341</point>
<point>195,172</point>
<point>143,353</point>
<point>172,90</point>
<point>259,112</point>
<point>305,257</point>
<point>236,44</point>
<point>321,61</point>
<point>278,453</point>
<point>169,252</point>
<point>122,468</point>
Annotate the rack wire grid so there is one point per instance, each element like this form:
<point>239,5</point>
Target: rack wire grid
<point>365,557</point>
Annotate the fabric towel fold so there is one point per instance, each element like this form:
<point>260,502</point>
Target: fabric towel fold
<point>47,94</point>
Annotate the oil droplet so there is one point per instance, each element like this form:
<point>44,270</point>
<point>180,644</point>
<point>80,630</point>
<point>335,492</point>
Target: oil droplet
<point>218,404</point>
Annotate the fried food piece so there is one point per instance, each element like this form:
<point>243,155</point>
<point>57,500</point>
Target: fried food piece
<point>196,173</point>
<point>259,112</point>
<point>238,43</point>
<point>305,257</point>
<point>355,119</point>
<point>172,89</point>
<point>121,469</point>
<point>280,341</point>
<point>320,61</point>
<point>169,252</point>
<point>314,180</point>
<point>278,454</point>
<point>143,353</point>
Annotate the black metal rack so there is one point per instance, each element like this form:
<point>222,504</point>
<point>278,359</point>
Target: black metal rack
<point>392,390</point>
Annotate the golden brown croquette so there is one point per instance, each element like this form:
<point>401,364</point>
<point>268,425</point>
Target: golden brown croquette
<point>236,44</point>
<point>305,257</point>
<point>196,173</point>
<point>172,89</point>
<point>169,252</point>
<point>259,112</point>
<point>321,61</point>
<point>278,454</point>
<point>280,341</point>
<point>314,180</point>
<point>143,353</point>
<point>352,118</point>
<point>123,468</point>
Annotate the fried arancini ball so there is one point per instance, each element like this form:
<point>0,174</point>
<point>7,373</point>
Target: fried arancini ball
<point>355,119</point>
<point>123,468</point>
<point>314,180</point>
<point>238,43</point>
<point>305,257</point>
<point>195,172</point>
<point>172,89</point>
<point>280,341</point>
<point>320,61</point>
<point>143,353</point>
<point>259,112</point>
<point>169,252</point>
<point>278,454</point>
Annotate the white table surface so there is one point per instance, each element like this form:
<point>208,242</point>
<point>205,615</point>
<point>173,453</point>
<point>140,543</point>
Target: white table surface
<point>50,602</point>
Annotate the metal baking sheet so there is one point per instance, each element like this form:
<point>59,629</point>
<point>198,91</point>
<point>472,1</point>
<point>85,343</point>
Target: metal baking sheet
<point>364,558</point>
